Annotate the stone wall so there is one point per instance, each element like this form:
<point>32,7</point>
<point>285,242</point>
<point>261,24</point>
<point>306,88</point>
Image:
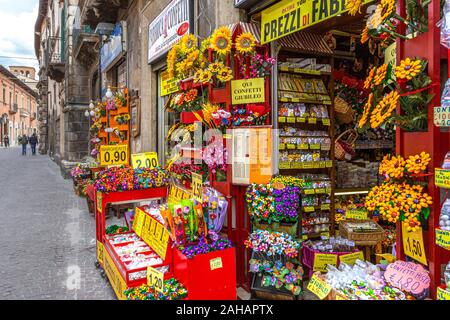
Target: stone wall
<point>76,135</point>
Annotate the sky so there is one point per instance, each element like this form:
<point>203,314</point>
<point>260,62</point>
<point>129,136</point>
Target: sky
<point>17,19</point>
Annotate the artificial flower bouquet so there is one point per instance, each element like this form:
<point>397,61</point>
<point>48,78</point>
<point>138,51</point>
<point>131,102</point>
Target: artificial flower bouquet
<point>122,118</point>
<point>172,290</point>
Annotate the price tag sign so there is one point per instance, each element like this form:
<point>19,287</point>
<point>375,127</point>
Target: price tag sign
<point>290,119</point>
<point>442,294</point>
<point>408,276</point>
<point>176,194</point>
<point>148,160</point>
<point>155,279</point>
<point>319,287</point>
<point>309,191</point>
<point>282,146</point>
<point>413,244</point>
<point>157,237</point>
<point>443,238</point>
<point>282,119</point>
<point>442,116</point>
<point>442,178</point>
<point>138,221</point>
<point>100,249</point>
<point>284,165</point>
<point>303,146</point>
<point>301,120</point>
<point>99,202</point>
<point>290,146</point>
<point>312,120</point>
<point>314,146</point>
<point>351,258</point>
<point>356,214</point>
<point>308,209</point>
<point>320,191</point>
<point>114,155</point>
<point>197,187</point>
<point>216,263</point>
<point>329,164</point>
<point>321,260</point>
<point>326,122</point>
<point>325,207</point>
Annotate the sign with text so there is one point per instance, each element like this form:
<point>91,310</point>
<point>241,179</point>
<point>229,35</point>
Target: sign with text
<point>197,186</point>
<point>442,116</point>
<point>99,202</point>
<point>408,276</point>
<point>442,178</point>
<point>147,160</point>
<point>176,194</point>
<point>112,49</point>
<point>443,238</point>
<point>155,279</point>
<point>100,249</point>
<point>138,221</point>
<point>356,214</point>
<point>321,260</point>
<point>168,84</point>
<point>216,263</point>
<point>155,235</point>
<point>248,91</point>
<point>351,257</point>
<point>319,287</point>
<point>117,282</point>
<point>289,16</point>
<point>114,155</point>
<point>413,244</point>
<point>442,294</point>
<point>169,27</point>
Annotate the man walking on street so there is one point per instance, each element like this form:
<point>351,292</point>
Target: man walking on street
<point>33,143</point>
<point>23,140</point>
<point>6,141</point>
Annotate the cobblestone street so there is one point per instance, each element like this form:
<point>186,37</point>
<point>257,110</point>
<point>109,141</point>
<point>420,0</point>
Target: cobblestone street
<point>46,234</point>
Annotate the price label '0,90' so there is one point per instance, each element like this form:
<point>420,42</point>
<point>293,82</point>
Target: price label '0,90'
<point>114,155</point>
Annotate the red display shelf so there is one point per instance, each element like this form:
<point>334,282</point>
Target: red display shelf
<point>210,276</point>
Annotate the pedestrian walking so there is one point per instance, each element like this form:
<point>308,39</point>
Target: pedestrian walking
<point>23,140</point>
<point>33,142</point>
<point>6,141</point>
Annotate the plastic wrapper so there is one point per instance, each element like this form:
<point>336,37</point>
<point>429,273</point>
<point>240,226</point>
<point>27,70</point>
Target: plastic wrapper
<point>444,24</point>
<point>444,218</point>
<point>447,275</point>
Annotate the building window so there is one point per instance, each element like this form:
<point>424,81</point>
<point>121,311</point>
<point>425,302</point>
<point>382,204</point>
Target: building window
<point>4,95</point>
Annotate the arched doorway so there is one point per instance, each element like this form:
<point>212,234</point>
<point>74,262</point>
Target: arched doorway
<point>4,122</point>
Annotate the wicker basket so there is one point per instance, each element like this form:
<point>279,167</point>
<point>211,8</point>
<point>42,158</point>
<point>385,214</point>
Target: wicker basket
<point>343,111</point>
<point>347,138</point>
<point>361,238</point>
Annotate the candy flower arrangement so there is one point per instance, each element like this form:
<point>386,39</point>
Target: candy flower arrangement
<point>273,243</point>
<point>270,204</point>
<point>203,247</point>
<point>172,290</point>
<point>126,178</point>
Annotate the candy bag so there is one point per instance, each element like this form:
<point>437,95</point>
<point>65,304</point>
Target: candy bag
<point>180,233</point>
<point>444,24</point>
<point>444,218</point>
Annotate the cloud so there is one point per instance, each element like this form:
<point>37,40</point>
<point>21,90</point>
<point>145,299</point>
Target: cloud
<point>17,19</point>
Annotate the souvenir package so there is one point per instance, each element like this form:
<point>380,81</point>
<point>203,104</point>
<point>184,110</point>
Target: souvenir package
<point>446,163</point>
<point>447,275</point>
<point>444,24</point>
<point>444,219</point>
<point>332,245</point>
<point>216,206</point>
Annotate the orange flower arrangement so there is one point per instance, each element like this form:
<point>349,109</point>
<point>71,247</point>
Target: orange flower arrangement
<point>408,69</point>
<point>418,163</point>
<point>365,35</point>
<point>366,112</point>
<point>392,167</point>
<point>380,75</point>
<point>369,80</point>
<point>191,95</point>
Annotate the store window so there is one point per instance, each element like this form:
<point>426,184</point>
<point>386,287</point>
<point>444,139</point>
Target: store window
<point>121,77</point>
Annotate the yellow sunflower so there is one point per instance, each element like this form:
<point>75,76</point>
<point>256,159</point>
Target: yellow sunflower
<point>369,80</point>
<point>412,224</point>
<point>387,8</point>
<point>224,30</point>
<point>215,67</point>
<point>198,76</point>
<point>245,43</point>
<point>180,67</point>
<point>366,112</point>
<point>384,109</point>
<point>225,74</point>
<point>205,76</point>
<point>408,69</point>
<point>193,56</point>
<point>188,43</point>
<point>380,74</point>
<point>221,42</point>
<point>418,163</point>
<point>353,6</point>
<point>365,35</point>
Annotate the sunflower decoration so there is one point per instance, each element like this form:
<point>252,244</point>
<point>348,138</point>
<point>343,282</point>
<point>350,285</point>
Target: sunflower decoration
<point>375,20</point>
<point>368,83</point>
<point>245,43</point>
<point>188,43</point>
<point>412,224</point>
<point>198,76</point>
<point>387,8</point>
<point>221,41</point>
<point>367,108</point>
<point>392,167</point>
<point>353,6</point>
<point>380,75</point>
<point>191,95</point>
<point>408,69</point>
<point>193,56</point>
<point>171,60</point>
<point>215,67</point>
<point>205,76</point>
<point>384,109</point>
<point>418,163</point>
<point>225,74</point>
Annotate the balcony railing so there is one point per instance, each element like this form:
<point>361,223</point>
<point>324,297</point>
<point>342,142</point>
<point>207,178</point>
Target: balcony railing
<point>56,51</point>
<point>24,113</point>
<point>84,40</point>
<point>13,108</point>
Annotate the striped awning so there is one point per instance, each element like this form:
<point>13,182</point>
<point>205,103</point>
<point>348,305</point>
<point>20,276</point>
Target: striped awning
<point>306,42</point>
<point>252,28</point>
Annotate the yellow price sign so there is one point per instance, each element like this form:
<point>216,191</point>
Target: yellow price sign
<point>176,194</point>
<point>442,294</point>
<point>309,191</point>
<point>155,279</point>
<point>99,202</point>
<point>356,214</point>
<point>326,122</point>
<point>314,146</point>
<point>301,120</point>
<point>100,249</point>
<point>442,178</point>
<point>138,221</point>
<point>321,260</point>
<point>148,160</point>
<point>157,237</point>
<point>443,238</point>
<point>248,91</point>
<point>308,209</point>
<point>351,257</point>
<point>413,244</point>
<point>282,119</point>
<point>325,206</point>
<point>312,120</point>
<point>115,278</point>
<point>114,155</point>
<point>216,263</point>
<point>168,84</point>
<point>319,287</point>
<point>290,119</point>
<point>197,187</point>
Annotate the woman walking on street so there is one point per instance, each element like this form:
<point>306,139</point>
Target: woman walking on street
<point>6,141</point>
<point>23,140</point>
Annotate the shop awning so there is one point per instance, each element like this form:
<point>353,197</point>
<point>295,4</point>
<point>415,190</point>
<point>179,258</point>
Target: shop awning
<point>306,42</point>
<point>252,28</point>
